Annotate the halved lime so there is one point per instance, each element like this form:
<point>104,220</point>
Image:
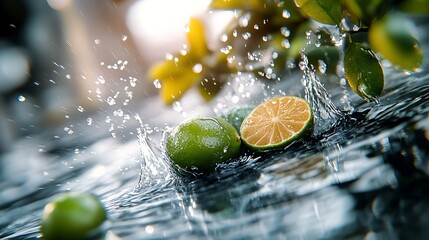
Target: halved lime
<point>276,123</point>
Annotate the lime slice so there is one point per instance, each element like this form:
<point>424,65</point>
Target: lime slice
<point>276,123</point>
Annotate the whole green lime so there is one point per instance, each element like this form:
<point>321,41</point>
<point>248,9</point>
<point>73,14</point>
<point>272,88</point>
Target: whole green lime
<point>72,215</point>
<point>201,143</point>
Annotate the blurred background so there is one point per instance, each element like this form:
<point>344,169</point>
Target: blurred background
<point>59,56</point>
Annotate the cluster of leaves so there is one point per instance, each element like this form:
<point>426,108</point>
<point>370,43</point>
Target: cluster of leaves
<point>267,37</point>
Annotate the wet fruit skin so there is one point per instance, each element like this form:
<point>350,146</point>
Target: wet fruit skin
<point>236,116</point>
<point>201,143</point>
<point>72,215</point>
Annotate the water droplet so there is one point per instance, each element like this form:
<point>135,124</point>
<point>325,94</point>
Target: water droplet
<point>89,121</point>
<point>286,14</point>
<point>308,34</point>
<point>157,84</point>
<point>80,108</point>
<point>256,27</point>
<point>226,49</point>
<point>124,38</point>
<point>118,113</point>
<point>183,52</point>
<point>45,173</point>
<point>101,79</point>
<point>336,40</point>
<point>21,98</point>
<point>246,35</point>
<point>285,31</point>
<point>133,82</point>
<point>264,38</point>
<point>108,119</point>
<point>197,68</point>
<point>68,130</point>
<point>168,56</point>
<point>302,65</point>
<point>97,41</point>
<point>111,101</point>
<point>177,106</point>
<point>235,99</point>
<point>244,20</point>
<point>286,43</point>
<point>322,66</point>
<point>291,64</point>
<point>234,33</point>
<point>225,149</point>
<point>68,76</point>
<point>317,43</point>
<point>224,37</point>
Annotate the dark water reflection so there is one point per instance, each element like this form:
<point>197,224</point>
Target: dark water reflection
<point>364,178</point>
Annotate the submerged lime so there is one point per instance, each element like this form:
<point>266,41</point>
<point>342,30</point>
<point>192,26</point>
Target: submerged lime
<point>236,116</point>
<point>201,143</point>
<point>276,123</point>
<point>72,216</point>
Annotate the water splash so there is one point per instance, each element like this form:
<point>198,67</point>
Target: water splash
<point>326,114</point>
<point>154,170</point>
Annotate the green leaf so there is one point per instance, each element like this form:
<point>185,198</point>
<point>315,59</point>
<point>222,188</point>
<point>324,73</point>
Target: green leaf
<point>329,55</point>
<point>324,11</point>
<point>367,10</point>
<point>363,71</point>
<point>392,37</point>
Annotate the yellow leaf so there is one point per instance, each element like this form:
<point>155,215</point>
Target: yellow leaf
<point>246,5</point>
<point>174,87</point>
<point>196,39</point>
<point>227,4</point>
<point>173,67</point>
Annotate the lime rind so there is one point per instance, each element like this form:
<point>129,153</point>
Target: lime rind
<point>73,215</point>
<point>308,125</point>
<point>200,143</point>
